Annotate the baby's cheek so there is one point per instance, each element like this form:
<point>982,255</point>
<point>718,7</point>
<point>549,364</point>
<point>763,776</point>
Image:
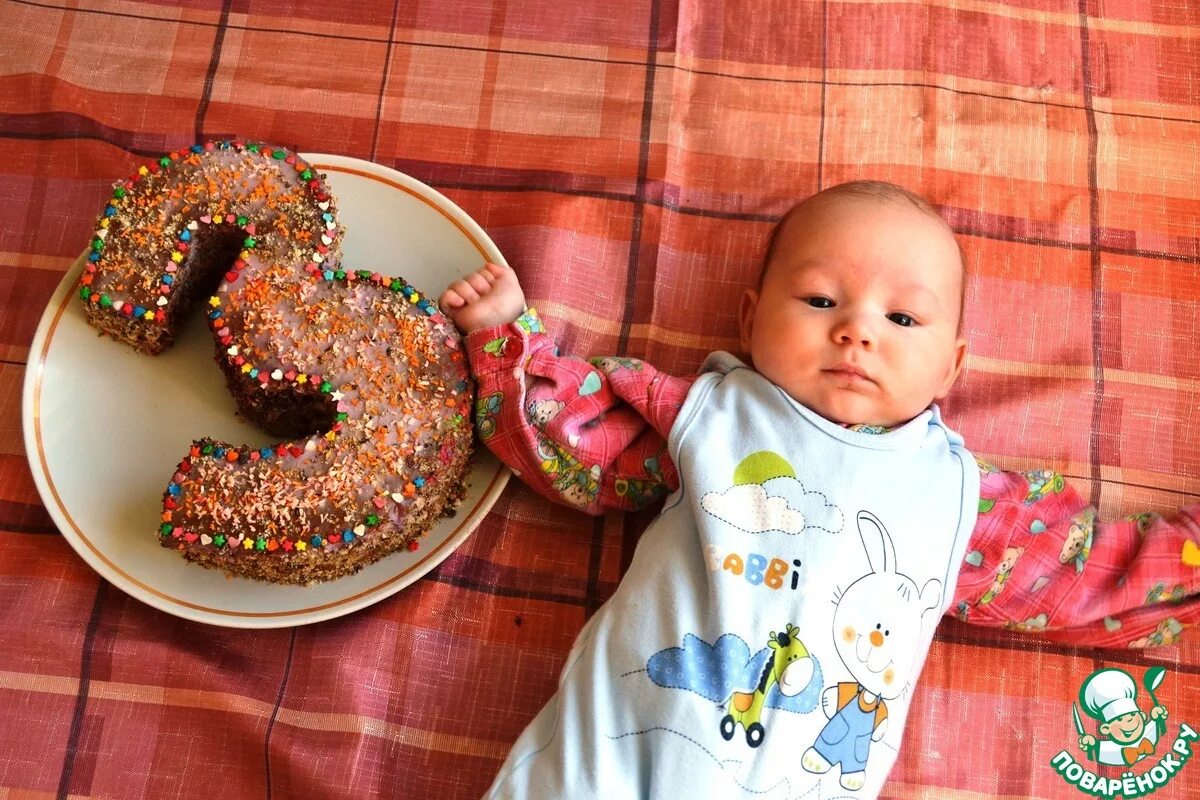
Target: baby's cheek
<point>889,676</point>
<point>848,634</point>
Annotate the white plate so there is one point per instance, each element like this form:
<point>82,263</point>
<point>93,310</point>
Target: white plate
<point>105,426</point>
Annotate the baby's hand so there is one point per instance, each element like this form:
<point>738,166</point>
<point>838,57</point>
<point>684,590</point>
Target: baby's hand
<point>486,297</point>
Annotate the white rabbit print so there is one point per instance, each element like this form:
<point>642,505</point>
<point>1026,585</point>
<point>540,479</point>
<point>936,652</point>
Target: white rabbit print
<point>877,624</point>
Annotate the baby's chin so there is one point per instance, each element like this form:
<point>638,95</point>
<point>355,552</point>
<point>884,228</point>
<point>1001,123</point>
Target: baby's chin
<point>855,409</point>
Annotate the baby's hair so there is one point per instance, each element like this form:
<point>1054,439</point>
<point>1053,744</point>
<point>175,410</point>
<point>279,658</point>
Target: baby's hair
<point>870,190</point>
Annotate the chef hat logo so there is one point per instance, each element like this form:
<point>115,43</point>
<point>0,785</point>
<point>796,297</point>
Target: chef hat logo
<point>1108,694</point>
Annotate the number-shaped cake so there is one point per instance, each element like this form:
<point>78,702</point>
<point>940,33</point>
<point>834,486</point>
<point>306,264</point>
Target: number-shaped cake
<point>361,375</point>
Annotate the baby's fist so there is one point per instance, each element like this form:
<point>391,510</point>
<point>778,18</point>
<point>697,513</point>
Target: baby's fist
<point>489,296</point>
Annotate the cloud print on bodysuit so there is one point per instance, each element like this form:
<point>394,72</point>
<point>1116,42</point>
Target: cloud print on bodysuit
<point>779,504</point>
<point>715,671</point>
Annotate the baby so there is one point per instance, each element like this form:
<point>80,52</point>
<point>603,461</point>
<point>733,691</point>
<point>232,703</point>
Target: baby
<point>769,632</point>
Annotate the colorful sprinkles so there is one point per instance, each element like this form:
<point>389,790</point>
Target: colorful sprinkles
<point>177,250</point>
<point>396,385</point>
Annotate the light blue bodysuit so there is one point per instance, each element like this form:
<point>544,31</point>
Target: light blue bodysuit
<point>767,637</point>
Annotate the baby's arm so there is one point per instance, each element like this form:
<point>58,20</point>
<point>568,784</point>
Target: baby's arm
<point>1039,560</point>
<point>591,435</point>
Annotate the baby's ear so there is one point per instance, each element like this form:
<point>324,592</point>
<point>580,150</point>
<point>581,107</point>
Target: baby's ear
<point>956,365</point>
<point>746,309</point>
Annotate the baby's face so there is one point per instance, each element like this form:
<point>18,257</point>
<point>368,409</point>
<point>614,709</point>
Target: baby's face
<point>857,314</point>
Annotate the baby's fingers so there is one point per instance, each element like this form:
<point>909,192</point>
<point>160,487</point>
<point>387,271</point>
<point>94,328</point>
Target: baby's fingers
<point>451,299</point>
<point>496,270</point>
<point>465,291</point>
<point>479,283</point>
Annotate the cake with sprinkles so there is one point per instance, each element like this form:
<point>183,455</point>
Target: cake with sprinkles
<point>360,375</point>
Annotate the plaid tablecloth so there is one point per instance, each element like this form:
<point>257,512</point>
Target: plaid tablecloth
<point>629,158</point>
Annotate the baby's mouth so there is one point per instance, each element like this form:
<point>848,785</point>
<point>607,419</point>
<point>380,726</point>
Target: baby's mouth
<point>850,373</point>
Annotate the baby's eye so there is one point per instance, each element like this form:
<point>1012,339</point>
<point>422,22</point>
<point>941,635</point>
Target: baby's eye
<point>819,302</point>
<point>903,320</point>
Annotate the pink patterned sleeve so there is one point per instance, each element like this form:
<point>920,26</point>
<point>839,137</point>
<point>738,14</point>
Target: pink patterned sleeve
<point>1039,560</point>
<point>588,434</point>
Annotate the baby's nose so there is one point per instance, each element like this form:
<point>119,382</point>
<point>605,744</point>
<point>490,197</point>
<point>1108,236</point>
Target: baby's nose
<point>854,331</point>
<point>876,638</point>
